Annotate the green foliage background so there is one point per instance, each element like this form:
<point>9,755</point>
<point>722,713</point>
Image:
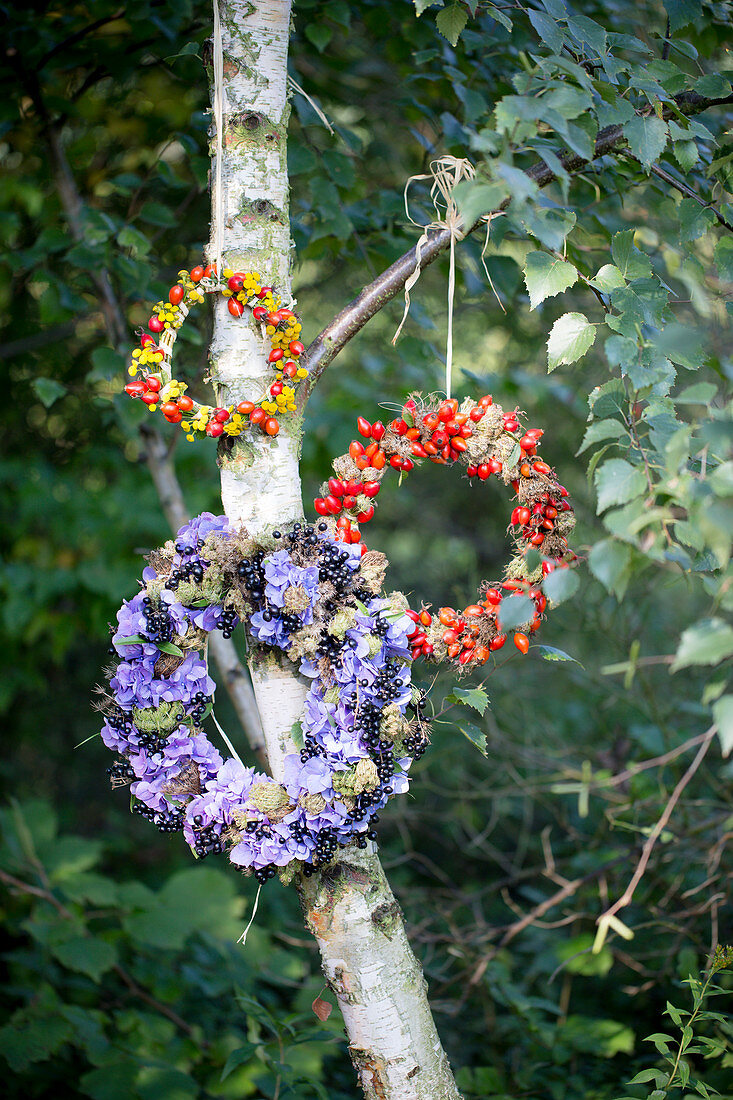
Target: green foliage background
<point>123,974</point>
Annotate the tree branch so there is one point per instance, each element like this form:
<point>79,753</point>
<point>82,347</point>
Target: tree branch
<point>352,318</point>
<point>684,189</point>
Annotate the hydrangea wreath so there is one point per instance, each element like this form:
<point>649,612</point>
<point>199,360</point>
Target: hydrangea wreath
<point>299,591</point>
<point>314,592</point>
<point>151,365</point>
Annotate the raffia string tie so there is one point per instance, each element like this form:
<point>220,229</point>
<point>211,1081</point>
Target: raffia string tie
<point>445,172</point>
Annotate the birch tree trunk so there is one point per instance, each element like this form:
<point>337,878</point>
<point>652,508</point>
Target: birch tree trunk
<point>349,908</point>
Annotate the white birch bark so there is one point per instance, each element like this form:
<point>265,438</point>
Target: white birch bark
<point>350,909</point>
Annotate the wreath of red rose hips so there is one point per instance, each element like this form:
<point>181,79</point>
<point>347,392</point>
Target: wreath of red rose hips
<point>150,368</point>
<point>488,442</point>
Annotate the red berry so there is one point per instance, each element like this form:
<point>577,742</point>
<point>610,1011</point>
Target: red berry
<point>185,404</point>
<point>197,274</point>
<point>521,641</point>
<point>320,506</point>
<point>271,426</point>
<point>152,383</point>
<point>378,430</point>
<point>221,415</point>
<point>244,408</point>
<point>235,282</point>
<point>364,427</point>
<point>259,312</point>
<point>214,429</point>
<point>155,324</point>
<point>275,355</point>
<point>235,307</point>
<point>175,295</point>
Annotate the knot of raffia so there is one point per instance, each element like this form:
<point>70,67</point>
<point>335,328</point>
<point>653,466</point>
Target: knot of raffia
<point>446,173</point>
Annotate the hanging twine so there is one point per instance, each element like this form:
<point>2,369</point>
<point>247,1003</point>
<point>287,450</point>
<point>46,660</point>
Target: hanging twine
<point>445,172</point>
<point>219,102</point>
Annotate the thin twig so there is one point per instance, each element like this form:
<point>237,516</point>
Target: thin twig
<point>685,189</point>
<point>606,918</point>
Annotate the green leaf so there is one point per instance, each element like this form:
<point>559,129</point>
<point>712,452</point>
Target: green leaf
<point>169,647</point>
<point>705,643</point>
<point>88,955</point>
<point>607,278</point>
<point>48,390</point>
<point>682,12</point>
<point>547,29</point>
<point>686,154</point>
<point>319,34</point>
<point>470,697</point>
<point>617,482</point>
<point>27,1038</point>
<point>695,220</point>
<point>545,276</point>
<point>549,653</point>
<point>137,242</point>
<point>723,715</point>
<point>701,393</point>
<point>570,337</point>
<point>631,262</point>
<point>133,639</point>
<point>577,956</point>
<point>601,430</point>
<point>724,258</point>
<point>476,199</point>
<point>155,1082</point>
<point>197,899</point>
<point>560,585</point>
<point>451,21</point>
<point>423,5</point>
<point>548,225</point>
<point>241,1055</point>
<point>647,137</point>
<point>476,736</point>
<point>713,86</point>
<point>516,610</point>
<point>112,1081</point>
<point>609,563</point>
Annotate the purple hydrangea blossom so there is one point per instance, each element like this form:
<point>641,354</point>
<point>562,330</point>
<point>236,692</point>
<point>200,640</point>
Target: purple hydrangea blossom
<point>281,574</point>
<point>333,727</point>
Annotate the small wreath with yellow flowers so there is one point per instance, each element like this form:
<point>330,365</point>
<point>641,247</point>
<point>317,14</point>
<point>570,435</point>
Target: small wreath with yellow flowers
<point>151,365</point>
